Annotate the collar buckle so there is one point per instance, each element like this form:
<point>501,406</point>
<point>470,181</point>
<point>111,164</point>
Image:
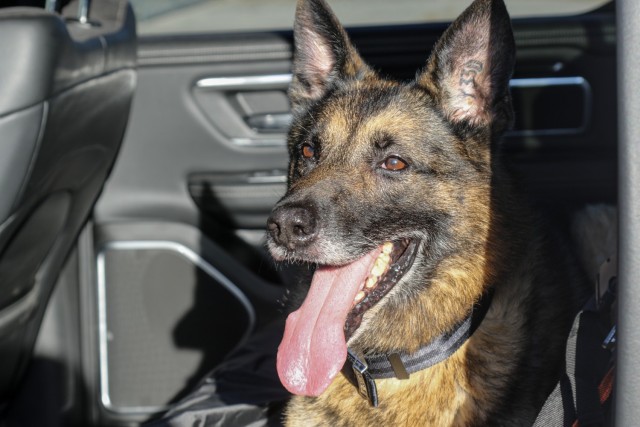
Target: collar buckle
<point>366,384</point>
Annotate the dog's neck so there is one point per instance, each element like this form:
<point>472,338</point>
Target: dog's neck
<point>363,370</point>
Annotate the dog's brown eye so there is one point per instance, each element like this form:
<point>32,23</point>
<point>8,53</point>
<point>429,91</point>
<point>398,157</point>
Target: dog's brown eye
<point>308,151</point>
<point>394,163</point>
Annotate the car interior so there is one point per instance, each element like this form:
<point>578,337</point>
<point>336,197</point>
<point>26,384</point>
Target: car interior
<point>137,173</point>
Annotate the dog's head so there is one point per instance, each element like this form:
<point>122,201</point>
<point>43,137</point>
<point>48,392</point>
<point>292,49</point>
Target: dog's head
<point>388,182</point>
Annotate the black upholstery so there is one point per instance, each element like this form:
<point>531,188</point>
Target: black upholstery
<point>65,93</point>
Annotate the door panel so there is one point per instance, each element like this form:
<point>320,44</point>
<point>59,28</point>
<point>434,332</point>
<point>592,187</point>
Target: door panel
<point>175,132</point>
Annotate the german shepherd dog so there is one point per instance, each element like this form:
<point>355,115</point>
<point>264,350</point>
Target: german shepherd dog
<point>398,196</point>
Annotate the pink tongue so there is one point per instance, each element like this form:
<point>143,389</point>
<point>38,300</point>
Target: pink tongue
<point>313,348</point>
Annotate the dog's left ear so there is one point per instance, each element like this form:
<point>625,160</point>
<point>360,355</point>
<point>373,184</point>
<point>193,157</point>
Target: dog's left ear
<point>469,70</point>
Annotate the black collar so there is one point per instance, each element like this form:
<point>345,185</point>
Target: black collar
<point>363,370</point>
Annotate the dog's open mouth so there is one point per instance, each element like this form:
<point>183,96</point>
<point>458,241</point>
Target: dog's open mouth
<point>313,349</point>
<point>391,264</point>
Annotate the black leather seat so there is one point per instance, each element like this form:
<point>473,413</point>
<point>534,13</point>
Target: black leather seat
<point>65,93</point>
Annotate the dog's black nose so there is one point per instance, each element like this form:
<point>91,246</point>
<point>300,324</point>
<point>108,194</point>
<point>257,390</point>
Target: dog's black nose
<point>293,226</point>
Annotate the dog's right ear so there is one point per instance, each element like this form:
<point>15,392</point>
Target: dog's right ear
<point>322,54</point>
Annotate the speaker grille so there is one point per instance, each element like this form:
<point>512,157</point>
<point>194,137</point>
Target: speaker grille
<point>166,319</point>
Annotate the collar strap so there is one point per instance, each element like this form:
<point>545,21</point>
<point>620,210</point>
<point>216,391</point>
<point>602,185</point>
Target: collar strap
<point>363,370</point>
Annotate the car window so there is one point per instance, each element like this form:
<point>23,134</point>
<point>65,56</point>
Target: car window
<point>198,16</point>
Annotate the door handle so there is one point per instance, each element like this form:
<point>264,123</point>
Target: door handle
<point>270,122</point>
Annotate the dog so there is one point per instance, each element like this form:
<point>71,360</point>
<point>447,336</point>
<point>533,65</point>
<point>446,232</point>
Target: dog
<point>421,243</point>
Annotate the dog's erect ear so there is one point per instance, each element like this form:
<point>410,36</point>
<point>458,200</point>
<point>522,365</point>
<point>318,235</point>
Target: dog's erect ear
<point>323,53</point>
<point>469,70</point>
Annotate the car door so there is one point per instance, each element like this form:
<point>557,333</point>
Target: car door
<point>171,274</point>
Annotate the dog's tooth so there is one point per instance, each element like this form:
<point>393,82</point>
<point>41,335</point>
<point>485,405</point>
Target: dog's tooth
<point>371,282</point>
<point>387,248</point>
<point>385,258</point>
<point>383,263</point>
<point>359,297</point>
<point>378,269</point>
